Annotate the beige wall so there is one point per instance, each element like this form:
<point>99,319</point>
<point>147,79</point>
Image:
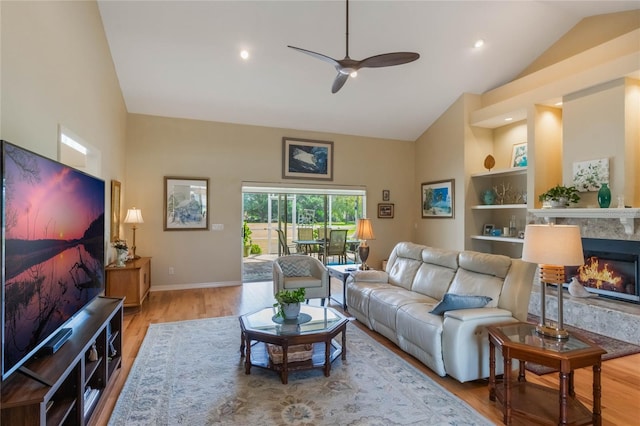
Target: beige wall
<point>594,127</point>
<point>57,70</point>
<point>440,155</point>
<point>230,154</point>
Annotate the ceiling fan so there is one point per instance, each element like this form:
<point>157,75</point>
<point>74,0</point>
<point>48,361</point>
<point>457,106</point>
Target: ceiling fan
<point>348,66</point>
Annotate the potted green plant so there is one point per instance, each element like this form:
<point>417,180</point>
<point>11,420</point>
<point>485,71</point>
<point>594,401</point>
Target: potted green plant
<point>246,239</point>
<point>288,303</point>
<point>559,197</point>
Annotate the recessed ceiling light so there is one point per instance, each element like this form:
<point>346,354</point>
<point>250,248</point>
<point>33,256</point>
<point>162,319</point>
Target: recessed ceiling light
<point>244,54</point>
<point>478,44</point>
<point>354,74</point>
<point>508,119</point>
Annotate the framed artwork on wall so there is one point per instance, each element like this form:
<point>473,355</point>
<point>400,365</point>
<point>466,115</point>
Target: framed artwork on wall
<point>307,159</point>
<point>438,199</point>
<point>115,210</point>
<point>186,203</point>
<point>519,155</point>
<point>385,210</point>
<point>386,195</point>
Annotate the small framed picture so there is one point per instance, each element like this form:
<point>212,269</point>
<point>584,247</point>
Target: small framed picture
<point>385,211</point>
<point>488,229</point>
<point>519,155</point>
<point>386,195</point>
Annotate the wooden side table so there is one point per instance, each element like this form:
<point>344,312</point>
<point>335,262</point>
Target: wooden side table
<point>535,403</point>
<point>132,282</point>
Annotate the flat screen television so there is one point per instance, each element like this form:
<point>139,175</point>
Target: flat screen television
<point>53,243</point>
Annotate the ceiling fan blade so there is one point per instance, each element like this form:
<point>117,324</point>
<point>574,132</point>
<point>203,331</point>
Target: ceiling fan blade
<point>388,59</point>
<point>316,55</point>
<point>340,80</point>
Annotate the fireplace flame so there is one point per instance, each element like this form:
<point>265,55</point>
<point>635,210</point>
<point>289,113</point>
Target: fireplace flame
<point>591,274</point>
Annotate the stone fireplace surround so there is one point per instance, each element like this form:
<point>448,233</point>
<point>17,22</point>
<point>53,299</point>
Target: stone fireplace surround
<point>617,319</point>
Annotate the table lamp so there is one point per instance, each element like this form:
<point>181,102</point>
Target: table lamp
<point>552,247</point>
<point>364,232</point>
<point>134,216</point>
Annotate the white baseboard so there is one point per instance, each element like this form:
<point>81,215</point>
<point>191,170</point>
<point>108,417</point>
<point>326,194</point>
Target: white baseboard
<point>170,287</point>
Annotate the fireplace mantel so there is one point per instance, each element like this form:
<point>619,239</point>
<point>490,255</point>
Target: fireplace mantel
<point>626,216</point>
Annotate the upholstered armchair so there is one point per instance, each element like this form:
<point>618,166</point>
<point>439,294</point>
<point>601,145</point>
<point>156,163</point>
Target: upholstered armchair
<point>296,271</point>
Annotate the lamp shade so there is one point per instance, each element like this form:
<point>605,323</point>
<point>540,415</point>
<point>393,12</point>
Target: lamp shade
<point>559,245</point>
<point>364,230</point>
<point>133,216</point>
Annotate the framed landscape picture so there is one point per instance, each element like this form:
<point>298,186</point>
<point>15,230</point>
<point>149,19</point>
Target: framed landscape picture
<point>186,204</point>
<point>519,155</point>
<point>385,210</point>
<point>307,159</point>
<point>438,199</point>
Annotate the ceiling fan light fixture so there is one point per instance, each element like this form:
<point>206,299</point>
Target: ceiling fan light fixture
<point>349,67</point>
<point>244,54</point>
<point>479,43</point>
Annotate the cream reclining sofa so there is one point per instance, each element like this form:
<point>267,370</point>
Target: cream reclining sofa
<point>397,303</point>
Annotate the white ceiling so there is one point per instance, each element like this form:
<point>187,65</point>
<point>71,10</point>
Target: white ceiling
<point>181,58</point>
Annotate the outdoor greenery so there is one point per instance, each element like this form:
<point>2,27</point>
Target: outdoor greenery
<point>246,234</point>
<point>310,208</point>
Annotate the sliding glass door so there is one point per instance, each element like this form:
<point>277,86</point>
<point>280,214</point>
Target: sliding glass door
<point>297,220</point>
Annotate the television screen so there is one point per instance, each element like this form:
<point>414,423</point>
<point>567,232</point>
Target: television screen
<point>52,249</point>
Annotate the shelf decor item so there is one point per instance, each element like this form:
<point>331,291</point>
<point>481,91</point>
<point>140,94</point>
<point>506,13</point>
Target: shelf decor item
<point>489,162</point>
<point>559,197</point>
<point>519,155</point>
<point>604,196</point>
<point>288,303</point>
<point>489,197</point>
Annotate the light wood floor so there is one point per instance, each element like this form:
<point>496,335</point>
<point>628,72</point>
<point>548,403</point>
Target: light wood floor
<point>620,377</point>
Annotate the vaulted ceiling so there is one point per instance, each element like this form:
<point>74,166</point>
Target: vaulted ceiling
<point>182,58</point>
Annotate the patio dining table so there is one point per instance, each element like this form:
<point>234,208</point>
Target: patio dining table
<point>307,245</point>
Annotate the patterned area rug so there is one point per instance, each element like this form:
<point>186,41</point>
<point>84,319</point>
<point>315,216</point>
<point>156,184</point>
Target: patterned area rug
<point>615,348</point>
<point>190,373</point>
<point>257,271</point>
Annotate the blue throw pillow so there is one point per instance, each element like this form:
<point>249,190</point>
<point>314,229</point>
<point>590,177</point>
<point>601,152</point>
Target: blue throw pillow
<point>451,302</point>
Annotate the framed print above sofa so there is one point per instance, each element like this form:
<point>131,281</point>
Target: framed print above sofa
<point>438,199</point>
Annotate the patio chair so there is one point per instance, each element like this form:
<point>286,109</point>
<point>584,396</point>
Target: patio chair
<point>306,234</point>
<point>337,245</point>
<point>299,271</point>
<point>285,248</point>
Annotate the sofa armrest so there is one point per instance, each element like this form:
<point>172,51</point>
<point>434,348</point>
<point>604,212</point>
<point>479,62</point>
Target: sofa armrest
<point>478,314</point>
<point>465,344</point>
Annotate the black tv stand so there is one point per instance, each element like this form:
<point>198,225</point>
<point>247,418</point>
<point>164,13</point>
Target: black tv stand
<point>35,376</point>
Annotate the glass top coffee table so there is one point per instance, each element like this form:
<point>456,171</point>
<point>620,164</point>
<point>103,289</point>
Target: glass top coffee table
<point>291,345</point>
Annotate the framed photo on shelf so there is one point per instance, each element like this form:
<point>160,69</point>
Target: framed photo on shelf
<point>115,210</point>
<point>307,159</point>
<point>487,229</point>
<point>385,211</point>
<point>519,155</point>
<point>438,199</point>
<point>186,203</point>
<point>386,195</point>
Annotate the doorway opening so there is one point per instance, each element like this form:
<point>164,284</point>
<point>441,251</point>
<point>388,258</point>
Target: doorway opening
<point>287,220</point>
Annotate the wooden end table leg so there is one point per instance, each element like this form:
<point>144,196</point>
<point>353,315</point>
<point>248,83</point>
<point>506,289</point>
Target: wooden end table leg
<point>507,389</point>
<point>284,374</point>
<point>241,344</point>
<point>247,359</point>
<point>492,371</point>
<point>597,393</point>
<point>327,358</point>
<point>564,394</point>
<point>344,343</point>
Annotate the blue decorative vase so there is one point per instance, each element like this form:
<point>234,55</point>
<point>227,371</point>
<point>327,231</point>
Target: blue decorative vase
<point>489,197</point>
<point>604,196</point>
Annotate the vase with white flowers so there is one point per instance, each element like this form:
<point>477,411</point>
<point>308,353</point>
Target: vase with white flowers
<point>122,252</point>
